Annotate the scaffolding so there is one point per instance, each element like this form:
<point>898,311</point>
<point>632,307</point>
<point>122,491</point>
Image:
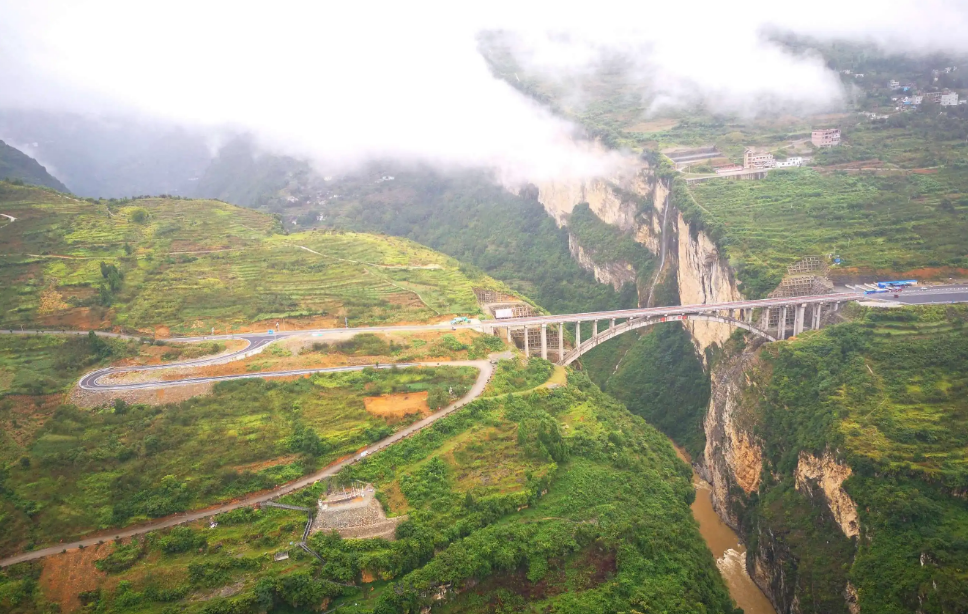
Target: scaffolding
<point>486,296</point>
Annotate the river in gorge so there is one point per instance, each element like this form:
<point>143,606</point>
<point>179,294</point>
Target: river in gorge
<point>730,553</point>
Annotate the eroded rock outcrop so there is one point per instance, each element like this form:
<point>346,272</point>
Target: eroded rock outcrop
<point>829,475</point>
<point>615,273</point>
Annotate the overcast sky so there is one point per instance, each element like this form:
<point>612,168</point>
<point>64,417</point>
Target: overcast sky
<point>343,82</point>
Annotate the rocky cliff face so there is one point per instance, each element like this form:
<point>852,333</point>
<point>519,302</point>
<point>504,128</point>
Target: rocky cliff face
<point>704,277</point>
<point>604,196</point>
<point>615,273</point>
<point>828,475</point>
<point>733,457</point>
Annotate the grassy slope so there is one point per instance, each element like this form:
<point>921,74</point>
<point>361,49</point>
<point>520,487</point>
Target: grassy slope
<point>558,499</point>
<point>194,265</point>
<point>70,471</point>
<point>887,223</point>
<point>888,393</point>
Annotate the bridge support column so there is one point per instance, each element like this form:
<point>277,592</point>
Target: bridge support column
<point>612,324</point>
<point>509,334</point>
<point>798,319</point>
<point>837,306</point>
<point>781,324</point>
<point>561,341</point>
<point>527,344</point>
<point>749,315</point>
<point>544,341</point>
<point>817,313</point>
<point>594,328</point>
<point>578,334</point>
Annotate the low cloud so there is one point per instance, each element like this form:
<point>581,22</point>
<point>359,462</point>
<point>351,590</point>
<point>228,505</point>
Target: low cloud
<point>343,84</point>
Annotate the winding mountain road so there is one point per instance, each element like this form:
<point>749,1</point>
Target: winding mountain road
<point>485,369</point>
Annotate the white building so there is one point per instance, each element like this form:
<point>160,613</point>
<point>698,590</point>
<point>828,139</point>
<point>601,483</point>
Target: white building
<point>948,99</point>
<point>790,162</point>
<point>894,84</point>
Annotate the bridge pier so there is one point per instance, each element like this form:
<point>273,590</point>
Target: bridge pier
<point>527,345</point>
<point>544,341</point>
<point>749,316</point>
<point>781,323</point>
<point>561,341</point>
<point>578,333</point>
<point>612,325</point>
<point>509,334</point>
<point>594,328</point>
<point>798,319</point>
<point>817,312</point>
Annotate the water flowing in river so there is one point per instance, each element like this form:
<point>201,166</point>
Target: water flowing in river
<point>730,553</point>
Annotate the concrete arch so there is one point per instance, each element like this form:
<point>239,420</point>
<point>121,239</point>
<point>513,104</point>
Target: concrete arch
<point>610,333</point>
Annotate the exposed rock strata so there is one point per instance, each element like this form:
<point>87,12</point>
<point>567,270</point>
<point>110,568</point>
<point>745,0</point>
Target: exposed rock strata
<point>615,273</point>
<point>829,475</point>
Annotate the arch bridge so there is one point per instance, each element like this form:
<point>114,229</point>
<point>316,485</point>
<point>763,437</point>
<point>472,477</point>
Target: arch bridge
<point>771,319</point>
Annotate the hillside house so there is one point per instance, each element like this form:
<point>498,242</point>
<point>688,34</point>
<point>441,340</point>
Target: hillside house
<point>827,137</point>
<point>792,161</point>
<point>752,159</point>
<point>949,99</point>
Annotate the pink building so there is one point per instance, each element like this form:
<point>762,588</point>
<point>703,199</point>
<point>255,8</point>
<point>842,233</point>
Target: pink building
<point>828,137</point>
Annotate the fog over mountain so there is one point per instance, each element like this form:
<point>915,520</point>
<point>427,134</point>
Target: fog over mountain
<point>344,84</point>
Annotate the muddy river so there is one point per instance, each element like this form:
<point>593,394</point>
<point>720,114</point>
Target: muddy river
<point>730,553</point>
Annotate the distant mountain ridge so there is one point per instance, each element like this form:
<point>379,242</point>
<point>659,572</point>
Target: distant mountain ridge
<point>15,164</point>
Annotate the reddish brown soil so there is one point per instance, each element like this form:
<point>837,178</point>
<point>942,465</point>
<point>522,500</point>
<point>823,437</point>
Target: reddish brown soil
<point>394,407</point>
<point>67,575</point>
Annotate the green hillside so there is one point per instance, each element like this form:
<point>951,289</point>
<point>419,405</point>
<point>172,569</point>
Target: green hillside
<point>185,265</point>
<point>18,166</point>
<point>557,500</point>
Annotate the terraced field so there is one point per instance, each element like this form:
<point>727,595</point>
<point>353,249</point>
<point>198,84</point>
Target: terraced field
<point>185,265</point>
<point>892,222</point>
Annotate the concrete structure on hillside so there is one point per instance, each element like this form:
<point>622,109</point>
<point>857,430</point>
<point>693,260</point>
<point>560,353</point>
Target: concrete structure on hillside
<point>827,137</point>
<point>355,513</point>
<point>790,162</point>
<point>752,159</point>
<point>949,99</point>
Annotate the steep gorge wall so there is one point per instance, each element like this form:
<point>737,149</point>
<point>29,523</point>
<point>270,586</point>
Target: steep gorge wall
<point>702,273</point>
<point>734,464</point>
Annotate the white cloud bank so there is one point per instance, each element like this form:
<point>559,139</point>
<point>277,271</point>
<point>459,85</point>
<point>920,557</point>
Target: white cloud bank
<point>346,82</point>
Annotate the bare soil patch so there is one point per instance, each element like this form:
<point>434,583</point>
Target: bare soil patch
<point>66,576</point>
<point>397,406</point>
<point>259,466</point>
<point>147,396</point>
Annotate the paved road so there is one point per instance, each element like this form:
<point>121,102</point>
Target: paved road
<point>938,295</point>
<point>486,371</point>
<point>926,295</point>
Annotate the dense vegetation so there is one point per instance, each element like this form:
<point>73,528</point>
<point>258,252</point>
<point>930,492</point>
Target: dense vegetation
<point>556,499</point>
<point>662,380</point>
<point>17,166</point>
<point>68,471</point>
<point>194,265</point>
<point>466,216</point>
<point>886,394</point>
